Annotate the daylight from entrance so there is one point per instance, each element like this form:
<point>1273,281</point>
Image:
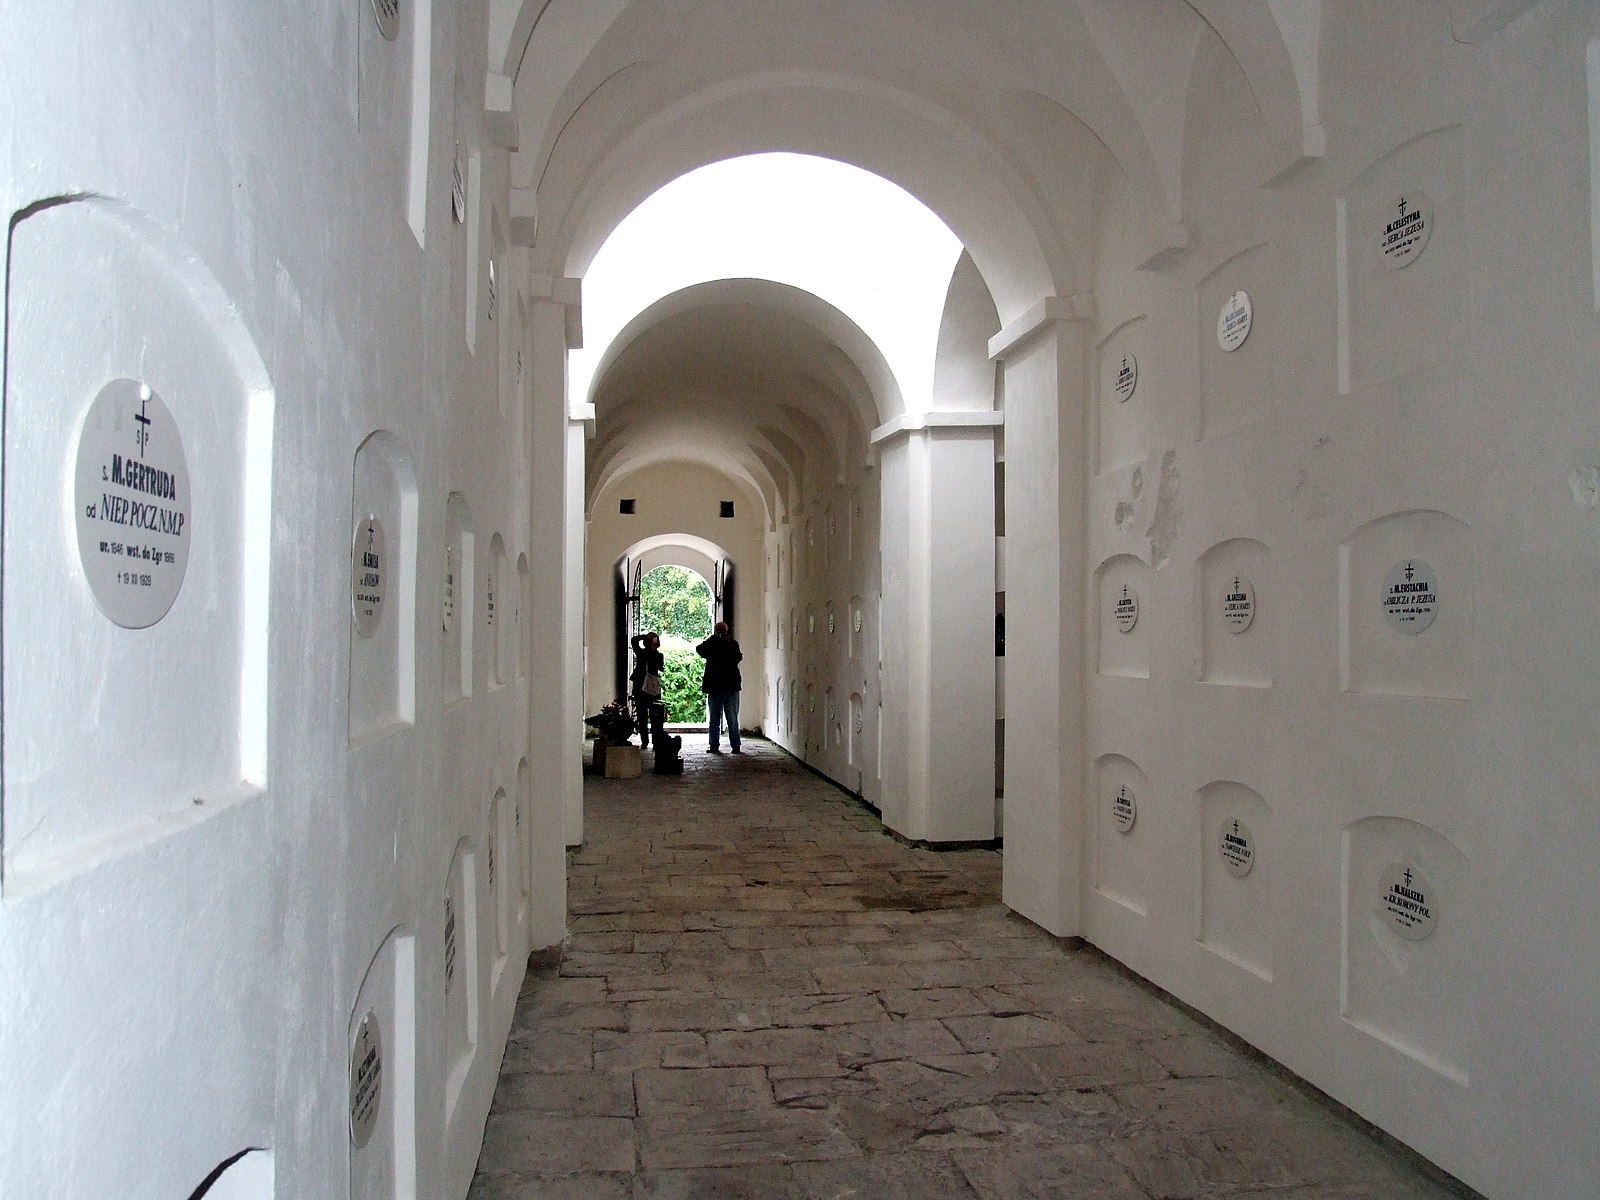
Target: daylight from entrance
<point>864,245</point>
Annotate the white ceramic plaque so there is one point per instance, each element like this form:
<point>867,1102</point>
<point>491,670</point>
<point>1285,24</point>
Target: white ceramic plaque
<point>366,1079</point>
<point>855,619</point>
<point>1237,847</point>
<point>489,598</point>
<point>811,622</point>
<point>132,504</point>
<point>1238,604</point>
<point>1405,231</point>
<point>369,575</point>
<point>489,860</point>
<point>449,587</point>
<point>1127,379</point>
<point>1407,902</point>
<point>1233,322</point>
<point>1125,609</point>
<point>1124,809</point>
<point>449,941</point>
<point>1411,595</point>
<point>830,621</point>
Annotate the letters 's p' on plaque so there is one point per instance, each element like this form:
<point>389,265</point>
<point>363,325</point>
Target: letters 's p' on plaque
<point>1237,847</point>
<point>366,1079</point>
<point>132,504</point>
<point>1407,902</point>
<point>369,575</point>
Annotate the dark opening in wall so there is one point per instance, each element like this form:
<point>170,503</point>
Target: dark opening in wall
<point>626,507</point>
<point>727,509</point>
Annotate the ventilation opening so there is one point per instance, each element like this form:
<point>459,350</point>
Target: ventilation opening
<point>627,507</point>
<point>727,509</point>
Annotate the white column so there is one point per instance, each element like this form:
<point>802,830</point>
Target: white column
<point>555,563</point>
<point>1042,358</point>
<point>937,472</point>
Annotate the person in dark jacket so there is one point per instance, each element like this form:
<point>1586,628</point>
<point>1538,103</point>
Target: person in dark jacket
<point>720,683</point>
<point>647,664</point>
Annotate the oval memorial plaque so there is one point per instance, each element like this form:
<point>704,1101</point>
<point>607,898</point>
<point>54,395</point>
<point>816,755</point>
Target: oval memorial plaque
<point>1125,609</point>
<point>1237,847</point>
<point>366,1079</point>
<point>1233,322</point>
<point>1238,605</point>
<point>1405,230</point>
<point>132,504</point>
<point>1407,902</point>
<point>1124,809</point>
<point>369,575</point>
<point>1127,379</point>
<point>1411,595</point>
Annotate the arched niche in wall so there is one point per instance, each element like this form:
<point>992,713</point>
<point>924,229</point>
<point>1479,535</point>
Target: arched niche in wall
<point>457,600</point>
<point>520,827</point>
<point>1402,247</point>
<point>458,951</point>
<point>137,528</point>
<point>1125,840</point>
<point>854,731</point>
<point>1237,911</point>
<point>1121,624</point>
<point>1241,386</point>
<point>381,1047</point>
<point>1406,606</point>
<point>524,617</point>
<point>1122,404</point>
<point>497,629</point>
<point>499,870</point>
<point>1234,615</point>
<point>383,588</point>
<point>1407,953</point>
<point>249,1175</point>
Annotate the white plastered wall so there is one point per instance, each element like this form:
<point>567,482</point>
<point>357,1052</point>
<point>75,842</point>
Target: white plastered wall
<point>185,971</point>
<point>1444,411</point>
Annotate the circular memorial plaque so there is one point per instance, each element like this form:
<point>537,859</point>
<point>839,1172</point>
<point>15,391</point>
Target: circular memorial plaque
<point>1407,902</point>
<point>366,1079</point>
<point>1238,605</point>
<point>387,14</point>
<point>1411,595</point>
<point>1125,609</point>
<point>1124,809</point>
<point>1127,379</point>
<point>449,587</point>
<point>1238,848</point>
<point>369,575</point>
<point>449,941</point>
<point>1405,230</point>
<point>131,503</point>
<point>1233,322</point>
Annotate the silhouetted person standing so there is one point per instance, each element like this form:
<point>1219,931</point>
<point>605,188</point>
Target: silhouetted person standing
<point>720,683</point>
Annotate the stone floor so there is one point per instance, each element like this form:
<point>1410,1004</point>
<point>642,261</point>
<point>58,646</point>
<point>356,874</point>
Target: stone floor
<point>764,995</point>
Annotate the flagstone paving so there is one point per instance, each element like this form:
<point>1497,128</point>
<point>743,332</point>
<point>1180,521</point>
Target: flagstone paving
<point>763,995</point>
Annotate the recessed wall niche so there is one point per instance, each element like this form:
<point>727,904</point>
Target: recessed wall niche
<point>1401,252</point>
<point>520,819</point>
<point>383,587</point>
<point>1122,847</point>
<point>381,1069</point>
<point>1122,410</point>
<point>1121,622</point>
<point>150,331</point>
<point>1407,941</point>
<point>497,629</point>
<point>1398,636</point>
<point>458,947</point>
<point>1237,910</point>
<point>456,599</point>
<point>499,877</point>
<point>1234,614</point>
<point>1238,388</point>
